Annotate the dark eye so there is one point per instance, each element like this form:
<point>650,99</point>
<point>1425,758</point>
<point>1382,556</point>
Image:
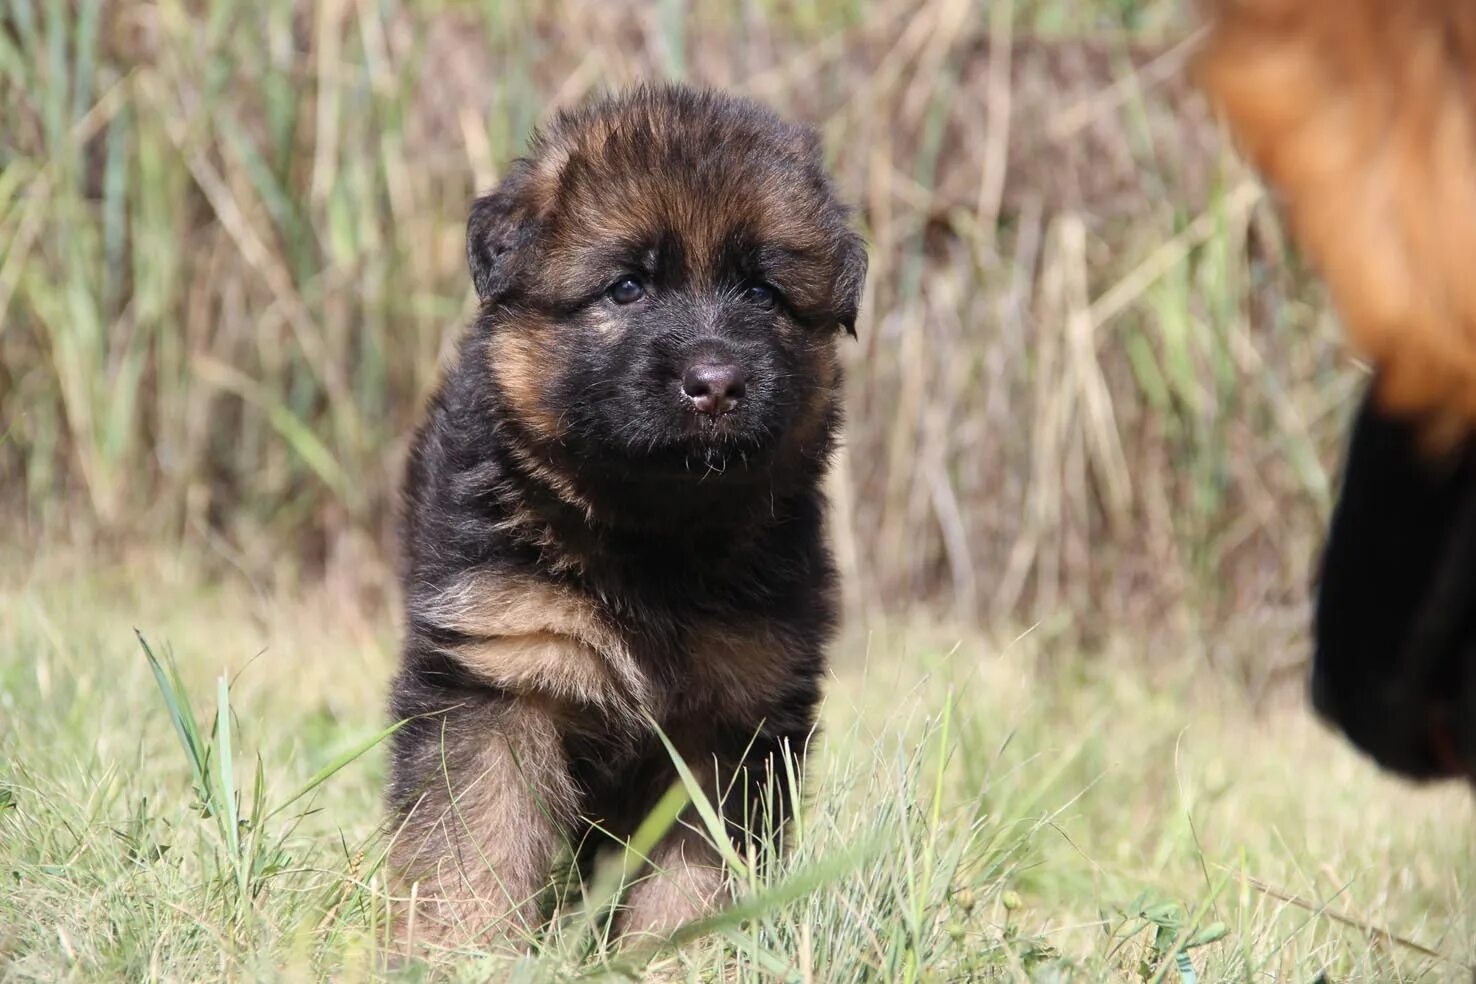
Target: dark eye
<point>626,290</point>
<point>761,294</point>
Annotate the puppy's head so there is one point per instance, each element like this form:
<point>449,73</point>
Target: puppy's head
<point>662,280</point>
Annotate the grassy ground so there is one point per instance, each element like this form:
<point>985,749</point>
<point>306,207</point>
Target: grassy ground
<point>1091,379</point>
<point>972,815</point>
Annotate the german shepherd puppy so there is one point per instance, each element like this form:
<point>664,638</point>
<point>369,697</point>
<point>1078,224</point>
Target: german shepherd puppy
<point>613,516</point>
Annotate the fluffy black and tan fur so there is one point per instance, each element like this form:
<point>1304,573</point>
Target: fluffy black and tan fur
<point>591,549</point>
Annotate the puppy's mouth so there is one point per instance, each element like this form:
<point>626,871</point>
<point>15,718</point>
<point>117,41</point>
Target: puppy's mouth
<point>709,448</point>
<point>727,428</point>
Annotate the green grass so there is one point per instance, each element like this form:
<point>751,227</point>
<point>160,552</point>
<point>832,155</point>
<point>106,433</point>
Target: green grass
<point>970,814</point>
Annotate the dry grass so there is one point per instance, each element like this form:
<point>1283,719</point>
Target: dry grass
<point>231,255</point>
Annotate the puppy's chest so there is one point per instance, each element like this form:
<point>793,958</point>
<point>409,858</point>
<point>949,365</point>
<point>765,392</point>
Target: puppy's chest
<point>612,662</point>
<point>701,651</point>
<point>724,667</point>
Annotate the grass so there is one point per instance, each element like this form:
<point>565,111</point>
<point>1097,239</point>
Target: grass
<point>979,809</point>
<point>1094,394</point>
<point>231,256</point>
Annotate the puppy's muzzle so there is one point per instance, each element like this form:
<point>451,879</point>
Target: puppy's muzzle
<point>715,387</point>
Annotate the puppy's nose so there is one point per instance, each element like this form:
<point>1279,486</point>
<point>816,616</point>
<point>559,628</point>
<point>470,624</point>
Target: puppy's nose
<point>714,387</point>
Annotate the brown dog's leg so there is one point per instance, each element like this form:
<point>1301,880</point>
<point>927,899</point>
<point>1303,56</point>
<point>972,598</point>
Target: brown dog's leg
<point>475,847</point>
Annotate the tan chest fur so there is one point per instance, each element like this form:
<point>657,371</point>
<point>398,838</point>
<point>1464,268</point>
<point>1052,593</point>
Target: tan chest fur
<point>541,641</point>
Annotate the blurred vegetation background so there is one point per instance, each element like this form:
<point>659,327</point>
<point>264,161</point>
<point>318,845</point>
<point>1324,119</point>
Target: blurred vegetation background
<point>1091,388</point>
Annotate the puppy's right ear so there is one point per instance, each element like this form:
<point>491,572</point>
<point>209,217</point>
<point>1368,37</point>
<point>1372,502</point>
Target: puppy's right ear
<point>499,233</point>
<point>850,280</point>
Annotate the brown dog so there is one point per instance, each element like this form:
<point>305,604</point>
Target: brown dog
<point>613,515</point>
<point>1362,114</point>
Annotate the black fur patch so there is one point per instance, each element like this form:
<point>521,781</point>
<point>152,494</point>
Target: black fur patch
<point>1395,663</point>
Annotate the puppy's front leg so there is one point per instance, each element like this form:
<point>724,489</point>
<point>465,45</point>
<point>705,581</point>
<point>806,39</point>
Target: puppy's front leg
<point>686,882</point>
<point>751,794</point>
<point>476,842</point>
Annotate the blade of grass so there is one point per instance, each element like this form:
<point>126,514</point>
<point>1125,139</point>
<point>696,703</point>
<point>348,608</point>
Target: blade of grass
<point>716,829</point>
<point>182,716</point>
<point>335,766</point>
<point>231,824</point>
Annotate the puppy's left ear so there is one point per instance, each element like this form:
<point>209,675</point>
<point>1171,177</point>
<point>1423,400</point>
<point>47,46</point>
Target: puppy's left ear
<point>850,280</point>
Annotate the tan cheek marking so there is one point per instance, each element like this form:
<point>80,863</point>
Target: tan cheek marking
<point>515,357</point>
<point>534,637</point>
<point>608,325</point>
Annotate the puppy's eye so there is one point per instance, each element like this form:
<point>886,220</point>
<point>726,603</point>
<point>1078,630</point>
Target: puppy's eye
<point>626,290</point>
<point>761,294</point>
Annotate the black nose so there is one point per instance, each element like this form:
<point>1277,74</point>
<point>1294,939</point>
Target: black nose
<point>715,388</point>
